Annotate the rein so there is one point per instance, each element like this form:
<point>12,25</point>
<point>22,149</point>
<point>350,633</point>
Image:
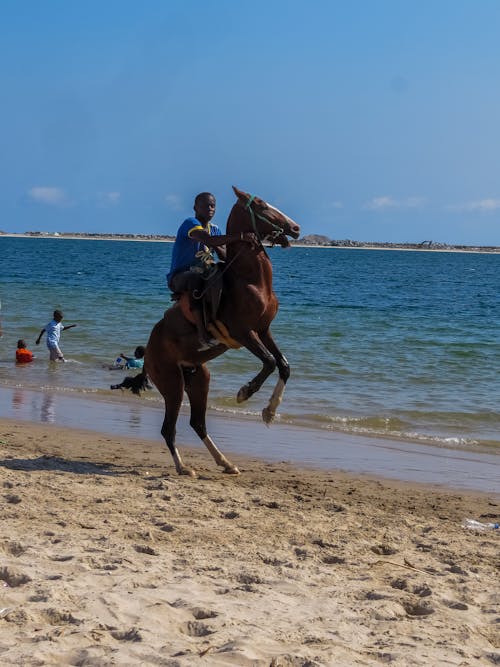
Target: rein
<point>277,231</point>
<point>213,271</point>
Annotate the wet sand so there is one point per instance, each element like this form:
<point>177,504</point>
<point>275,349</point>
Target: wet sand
<point>109,558</point>
<point>126,415</point>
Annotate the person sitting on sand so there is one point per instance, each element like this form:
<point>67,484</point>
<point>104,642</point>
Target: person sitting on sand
<point>54,329</point>
<point>23,355</point>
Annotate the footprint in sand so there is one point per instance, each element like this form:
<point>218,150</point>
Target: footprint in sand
<point>453,604</point>
<point>418,608</point>
<point>247,578</point>
<point>271,560</point>
<point>145,549</point>
<point>333,560</point>
<point>196,629</point>
<point>55,617</point>
<point>293,661</point>
<point>422,590</point>
<point>13,579</point>
<point>200,614</point>
<point>13,548</point>
<point>12,499</point>
<point>16,616</point>
<point>384,550</point>
<point>165,527</point>
<point>301,554</point>
<point>131,635</point>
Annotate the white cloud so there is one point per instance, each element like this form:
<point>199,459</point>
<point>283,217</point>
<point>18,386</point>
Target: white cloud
<point>173,202</point>
<point>378,203</point>
<point>385,202</point>
<point>43,194</point>
<point>482,205</point>
<point>110,197</point>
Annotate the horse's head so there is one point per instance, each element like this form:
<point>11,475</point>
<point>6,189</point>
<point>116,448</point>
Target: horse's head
<point>267,222</point>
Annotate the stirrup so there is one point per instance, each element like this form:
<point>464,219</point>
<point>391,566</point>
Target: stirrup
<point>208,345</point>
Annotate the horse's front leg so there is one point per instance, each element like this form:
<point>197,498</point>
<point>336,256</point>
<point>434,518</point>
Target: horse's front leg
<point>254,344</point>
<point>269,412</point>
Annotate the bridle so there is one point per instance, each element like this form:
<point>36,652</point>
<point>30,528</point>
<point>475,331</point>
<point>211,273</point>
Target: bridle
<point>272,236</point>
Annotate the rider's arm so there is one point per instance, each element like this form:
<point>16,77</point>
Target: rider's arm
<point>223,239</point>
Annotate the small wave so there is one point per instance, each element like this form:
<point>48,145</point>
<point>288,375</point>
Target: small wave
<point>393,428</point>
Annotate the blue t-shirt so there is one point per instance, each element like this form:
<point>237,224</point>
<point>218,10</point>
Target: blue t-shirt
<point>185,248</point>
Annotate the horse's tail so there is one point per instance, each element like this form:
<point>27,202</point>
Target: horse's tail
<point>136,383</point>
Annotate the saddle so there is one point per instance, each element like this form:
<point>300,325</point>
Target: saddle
<point>210,297</point>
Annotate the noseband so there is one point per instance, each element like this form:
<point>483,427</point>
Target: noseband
<point>277,231</point>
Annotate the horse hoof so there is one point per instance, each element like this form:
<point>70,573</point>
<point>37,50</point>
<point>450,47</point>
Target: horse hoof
<point>243,394</point>
<point>231,470</point>
<point>267,416</point>
<point>189,472</point>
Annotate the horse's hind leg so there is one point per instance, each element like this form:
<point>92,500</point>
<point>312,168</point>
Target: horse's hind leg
<point>197,381</point>
<point>172,392</point>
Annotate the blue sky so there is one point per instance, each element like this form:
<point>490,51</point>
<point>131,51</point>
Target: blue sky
<point>369,120</point>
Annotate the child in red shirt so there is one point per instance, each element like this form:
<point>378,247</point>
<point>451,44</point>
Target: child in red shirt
<point>23,356</point>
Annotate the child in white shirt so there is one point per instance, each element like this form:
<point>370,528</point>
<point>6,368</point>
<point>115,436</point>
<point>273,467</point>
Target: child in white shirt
<point>53,330</point>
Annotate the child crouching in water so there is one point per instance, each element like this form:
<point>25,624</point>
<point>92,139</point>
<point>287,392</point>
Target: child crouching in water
<point>137,361</point>
<point>23,355</point>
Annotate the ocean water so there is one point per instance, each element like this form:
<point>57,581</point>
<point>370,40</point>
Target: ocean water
<point>393,344</point>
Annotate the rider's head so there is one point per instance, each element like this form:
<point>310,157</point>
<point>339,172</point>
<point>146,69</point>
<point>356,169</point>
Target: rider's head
<point>204,207</point>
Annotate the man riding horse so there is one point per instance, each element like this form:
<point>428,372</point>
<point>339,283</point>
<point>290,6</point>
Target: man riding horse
<point>193,256</point>
<point>247,308</point>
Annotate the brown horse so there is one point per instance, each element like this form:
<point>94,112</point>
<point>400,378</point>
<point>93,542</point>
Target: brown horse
<point>248,306</point>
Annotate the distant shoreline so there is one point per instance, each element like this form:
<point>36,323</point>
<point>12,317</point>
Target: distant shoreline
<point>306,242</point>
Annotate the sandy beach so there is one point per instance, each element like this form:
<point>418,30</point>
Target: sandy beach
<point>109,558</point>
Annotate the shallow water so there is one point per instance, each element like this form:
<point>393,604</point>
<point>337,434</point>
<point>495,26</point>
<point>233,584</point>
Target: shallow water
<point>395,344</point>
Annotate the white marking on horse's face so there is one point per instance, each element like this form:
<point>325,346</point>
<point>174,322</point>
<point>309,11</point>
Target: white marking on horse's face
<point>283,215</point>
